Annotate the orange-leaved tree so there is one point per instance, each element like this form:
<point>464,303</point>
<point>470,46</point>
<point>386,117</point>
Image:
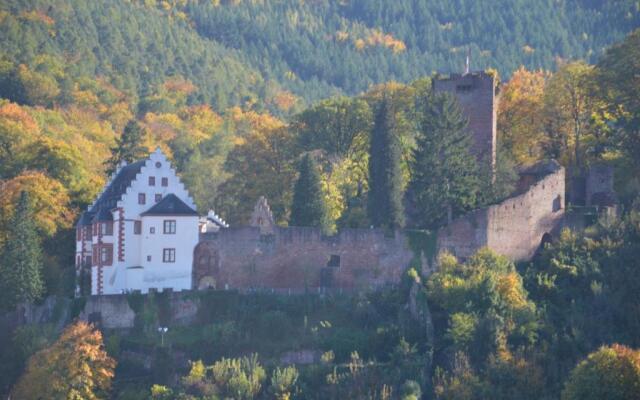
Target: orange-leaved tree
<point>76,366</point>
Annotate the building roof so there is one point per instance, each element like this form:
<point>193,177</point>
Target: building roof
<point>112,193</point>
<point>170,205</point>
<point>103,215</point>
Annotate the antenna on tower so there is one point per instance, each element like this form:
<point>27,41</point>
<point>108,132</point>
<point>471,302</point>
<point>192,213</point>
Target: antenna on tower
<point>466,67</point>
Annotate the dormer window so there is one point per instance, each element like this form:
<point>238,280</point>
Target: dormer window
<point>158,197</point>
<point>152,181</point>
<point>165,182</point>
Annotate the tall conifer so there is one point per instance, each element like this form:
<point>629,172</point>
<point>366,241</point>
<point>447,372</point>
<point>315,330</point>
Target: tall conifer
<point>21,263</point>
<point>385,174</point>
<point>308,208</point>
<point>128,147</point>
<point>444,174</point>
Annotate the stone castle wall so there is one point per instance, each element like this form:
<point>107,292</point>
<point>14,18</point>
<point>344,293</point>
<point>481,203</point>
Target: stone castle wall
<point>299,258</point>
<point>515,227</point>
<point>476,93</point>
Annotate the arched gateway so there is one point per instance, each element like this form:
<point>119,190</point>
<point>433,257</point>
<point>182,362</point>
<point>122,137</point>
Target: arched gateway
<point>206,266</point>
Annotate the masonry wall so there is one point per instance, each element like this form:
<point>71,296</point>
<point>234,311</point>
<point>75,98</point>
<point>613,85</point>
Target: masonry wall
<point>515,227</point>
<point>476,93</point>
<point>599,186</point>
<point>298,258</point>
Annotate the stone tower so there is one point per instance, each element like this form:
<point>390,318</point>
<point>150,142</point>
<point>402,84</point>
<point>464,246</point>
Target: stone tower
<point>476,93</point>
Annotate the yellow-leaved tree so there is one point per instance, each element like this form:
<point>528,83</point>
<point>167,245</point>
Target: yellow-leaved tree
<point>520,115</point>
<point>76,366</point>
<point>50,201</point>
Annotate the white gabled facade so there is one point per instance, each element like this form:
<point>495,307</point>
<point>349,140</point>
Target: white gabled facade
<point>141,231</point>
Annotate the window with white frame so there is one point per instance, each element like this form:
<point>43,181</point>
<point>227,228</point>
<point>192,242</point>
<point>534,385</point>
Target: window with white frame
<point>168,255</point>
<point>169,226</point>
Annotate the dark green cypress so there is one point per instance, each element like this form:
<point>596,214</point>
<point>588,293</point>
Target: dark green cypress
<point>444,174</point>
<point>385,173</point>
<point>21,264</point>
<point>128,147</point>
<point>308,208</point>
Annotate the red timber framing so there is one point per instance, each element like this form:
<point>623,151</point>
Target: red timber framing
<point>121,234</point>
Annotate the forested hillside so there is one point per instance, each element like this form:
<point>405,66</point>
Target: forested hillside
<point>350,45</point>
<point>238,93</point>
<point>276,53</point>
<point>131,47</point>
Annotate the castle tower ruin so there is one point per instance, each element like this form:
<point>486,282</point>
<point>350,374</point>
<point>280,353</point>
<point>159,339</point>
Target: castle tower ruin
<point>476,93</point>
<point>262,217</point>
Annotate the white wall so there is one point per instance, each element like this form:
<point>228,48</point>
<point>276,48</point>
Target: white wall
<point>126,275</point>
<point>158,274</point>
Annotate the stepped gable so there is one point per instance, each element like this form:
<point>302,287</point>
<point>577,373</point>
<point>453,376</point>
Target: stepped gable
<point>262,217</point>
<point>170,205</point>
<point>111,194</point>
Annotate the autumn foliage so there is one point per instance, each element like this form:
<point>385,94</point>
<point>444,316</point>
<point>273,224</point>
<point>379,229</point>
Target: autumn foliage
<point>76,366</point>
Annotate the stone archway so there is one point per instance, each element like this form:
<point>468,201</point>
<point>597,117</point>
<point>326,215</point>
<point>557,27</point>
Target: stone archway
<point>546,238</point>
<point>206,282</point>
<point>206,266</point>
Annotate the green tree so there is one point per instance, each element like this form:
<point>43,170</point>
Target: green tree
<point>337,126</point>
<point>385,173</point>
<point>611,373</point>
<point>617,75</point>
<point>568,107</point>
<point>283,382</point>
<point>444,175</point>
<point>239,379</point>
<point>129,146</point>
<point>21,264</point>
<point>410,390</point>
<point>308,208</point>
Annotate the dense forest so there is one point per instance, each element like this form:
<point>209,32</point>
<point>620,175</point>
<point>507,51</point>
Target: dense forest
<point>287,53</point>
<point>326,109</point>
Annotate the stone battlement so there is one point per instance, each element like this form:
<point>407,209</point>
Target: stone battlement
<point>517,226</point>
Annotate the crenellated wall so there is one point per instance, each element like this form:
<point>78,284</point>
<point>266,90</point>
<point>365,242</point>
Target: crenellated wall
<point>515,227</point>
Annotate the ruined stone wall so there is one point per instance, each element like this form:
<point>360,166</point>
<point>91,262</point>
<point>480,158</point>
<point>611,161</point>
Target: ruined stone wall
<point>515,227</point>
<point>599,186</point>
<point>464,236</point>
<point>299,258</point>
<point>476,93</point>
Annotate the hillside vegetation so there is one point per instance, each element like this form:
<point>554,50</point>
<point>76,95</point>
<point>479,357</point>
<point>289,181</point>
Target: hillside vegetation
<point>278,53</point>
<point>237,93</point>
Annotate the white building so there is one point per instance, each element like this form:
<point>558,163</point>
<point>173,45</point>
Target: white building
<point>141,231</point>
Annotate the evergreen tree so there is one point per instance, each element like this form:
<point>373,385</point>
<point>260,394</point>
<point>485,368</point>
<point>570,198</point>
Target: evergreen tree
<point>128,147</point>
<point>308,208</point>
<point>385,174</point>
<point>444,175</point>
<point>21,264</point>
